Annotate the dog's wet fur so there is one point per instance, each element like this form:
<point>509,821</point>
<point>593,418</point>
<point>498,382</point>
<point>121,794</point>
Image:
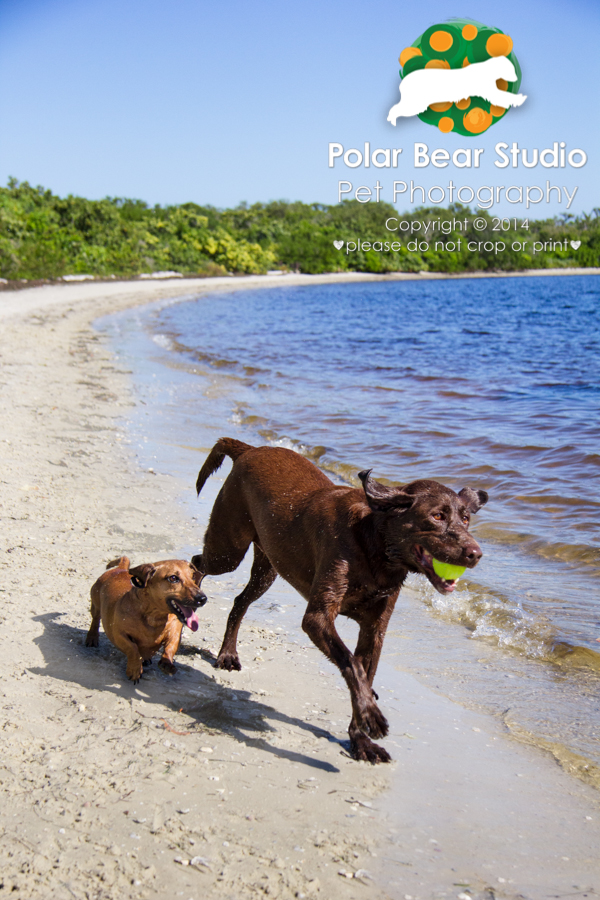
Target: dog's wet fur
<point>345,550</point>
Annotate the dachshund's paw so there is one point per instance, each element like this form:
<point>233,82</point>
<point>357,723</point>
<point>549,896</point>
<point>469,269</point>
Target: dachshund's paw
<point>135,673</point>
<point>373,722</point>
<point>166,666</point>
<point>229,661</point>
<point>92,640</point>
<point>363,749</point>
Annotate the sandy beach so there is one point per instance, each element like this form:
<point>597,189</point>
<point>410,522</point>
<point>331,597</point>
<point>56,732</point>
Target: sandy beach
<point>209,783</point>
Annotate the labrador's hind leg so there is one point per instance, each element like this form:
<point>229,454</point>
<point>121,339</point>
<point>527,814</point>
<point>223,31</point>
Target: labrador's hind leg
<point>262,577</point>
<point>229,534</point>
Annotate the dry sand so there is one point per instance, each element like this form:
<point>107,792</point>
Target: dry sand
<point>211,784</point>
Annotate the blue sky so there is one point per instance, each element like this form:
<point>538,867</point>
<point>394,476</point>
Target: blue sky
<point>220,103</point>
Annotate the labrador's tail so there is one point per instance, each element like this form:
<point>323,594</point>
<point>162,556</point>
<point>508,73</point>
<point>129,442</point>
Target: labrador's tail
<point>224,447</point>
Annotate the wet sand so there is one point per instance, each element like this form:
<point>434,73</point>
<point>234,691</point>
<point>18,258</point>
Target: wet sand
<point>209,783</point>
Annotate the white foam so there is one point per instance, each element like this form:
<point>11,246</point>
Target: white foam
<point>163,341</point>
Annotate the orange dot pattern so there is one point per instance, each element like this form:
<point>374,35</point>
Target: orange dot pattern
<point>499,45</point>
<point>440,41</point>
<point>477,120</point>
<point>407,54</point>
<point>450,45</point>
<point>437,64</point>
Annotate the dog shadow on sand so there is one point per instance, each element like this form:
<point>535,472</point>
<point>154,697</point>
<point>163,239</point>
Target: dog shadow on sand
<point>227,709</point>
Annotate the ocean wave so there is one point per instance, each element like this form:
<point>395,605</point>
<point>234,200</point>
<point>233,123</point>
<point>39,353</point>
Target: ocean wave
<point>561,551</point>
<point>492,617</point>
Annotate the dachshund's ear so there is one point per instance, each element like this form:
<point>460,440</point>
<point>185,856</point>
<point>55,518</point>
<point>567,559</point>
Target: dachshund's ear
<point>381,498</point>
<point>197,575</point>
<point>141,575</point>
<point>473,500</point>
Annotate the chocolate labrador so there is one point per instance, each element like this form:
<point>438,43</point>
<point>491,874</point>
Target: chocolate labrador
<point>345,550</point>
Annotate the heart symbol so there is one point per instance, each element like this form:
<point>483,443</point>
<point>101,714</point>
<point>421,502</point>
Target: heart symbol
<point>575,245</point>
<point>339,244</point>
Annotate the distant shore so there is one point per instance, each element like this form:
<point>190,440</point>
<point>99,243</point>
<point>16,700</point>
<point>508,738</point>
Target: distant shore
<point>137,290</point>
<point>52,237</point>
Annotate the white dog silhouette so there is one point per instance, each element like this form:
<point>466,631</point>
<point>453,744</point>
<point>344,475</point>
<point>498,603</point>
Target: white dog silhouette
<point>423,87</point>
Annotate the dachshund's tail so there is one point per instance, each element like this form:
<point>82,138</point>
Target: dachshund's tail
<point>121,563</point>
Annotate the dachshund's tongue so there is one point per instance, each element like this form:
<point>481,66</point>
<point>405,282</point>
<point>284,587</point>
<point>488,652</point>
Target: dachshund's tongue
<point>191,619</point>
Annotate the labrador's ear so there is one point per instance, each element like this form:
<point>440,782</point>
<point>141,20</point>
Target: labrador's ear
<point>473,500</point>
<point>381,498</point>
<point>141,575</point>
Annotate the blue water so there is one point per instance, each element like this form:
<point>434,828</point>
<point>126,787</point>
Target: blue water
<point>492,383</point>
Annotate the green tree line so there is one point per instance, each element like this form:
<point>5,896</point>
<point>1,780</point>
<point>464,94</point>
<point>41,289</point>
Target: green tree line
<point>43,236</point>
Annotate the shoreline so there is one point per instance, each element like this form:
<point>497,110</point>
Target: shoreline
<point>113,785</point>
<point>162,286</point>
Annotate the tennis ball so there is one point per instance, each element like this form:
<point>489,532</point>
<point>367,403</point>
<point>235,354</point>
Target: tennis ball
<point>447,571</point>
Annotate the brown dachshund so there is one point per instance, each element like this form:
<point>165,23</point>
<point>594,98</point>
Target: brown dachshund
<point>345,550</point>
<point>143,608</point>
